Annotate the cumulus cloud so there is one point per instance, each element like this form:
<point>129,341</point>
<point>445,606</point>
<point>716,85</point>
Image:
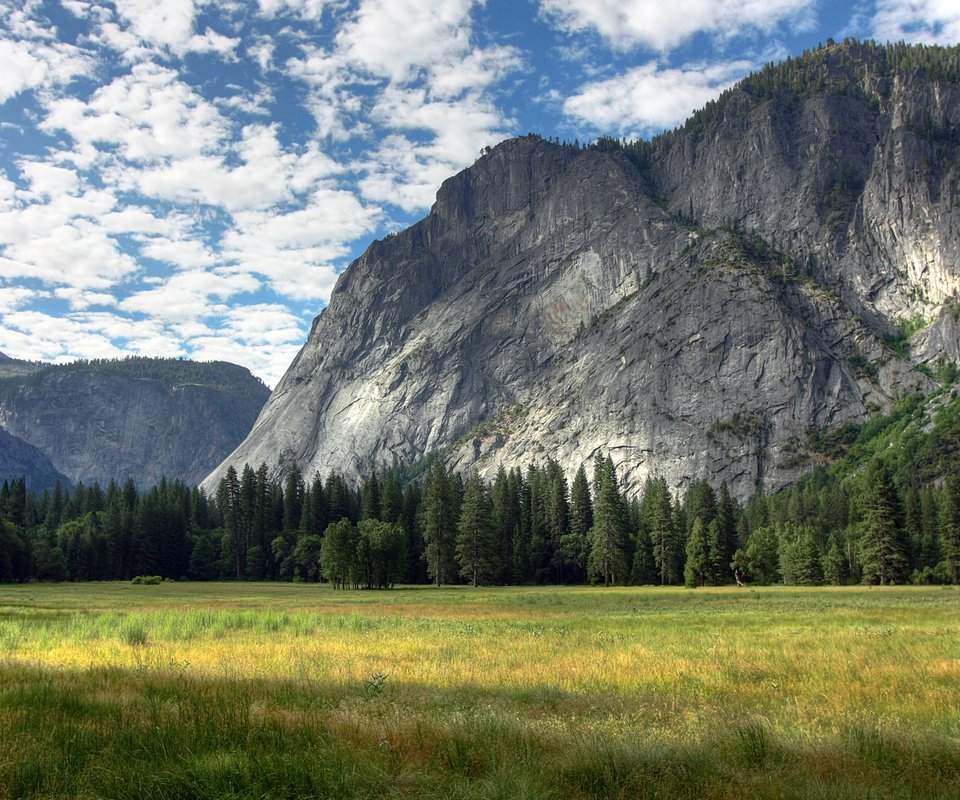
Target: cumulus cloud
<point>145,116</point>
<point>190,295</point>
<point>31,64</point>
<point>13,298</point>
<point>35,335</point>
<point>297,251</point>
<point>431,32</point>
<point>663,26</point>
<point>928,21</point>
<point>39,243</point>
<point>649,98</point>
<point>305,9</point>
<point>168,25</point>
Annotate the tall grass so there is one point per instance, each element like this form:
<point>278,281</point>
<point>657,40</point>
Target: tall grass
<point>238,690</point>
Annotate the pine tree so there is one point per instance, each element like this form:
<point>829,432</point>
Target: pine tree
<point>228,502</point>
<point>370,499</point>
<point>575,544</point>
<point>293,490</point>
<point>506,518</point>
<point>391,499</point>
<point>950,527</point>
<point>834,562</point>
<point>882,550</point>
<point>410,521</point>
<point>726,540</point>
<point>800,558</point>
<point>475,542</point>
<point>438,510</point>
<point>697,569</point>
<point>607,560</point>
<point>557,514</point>
<point>658,512</point>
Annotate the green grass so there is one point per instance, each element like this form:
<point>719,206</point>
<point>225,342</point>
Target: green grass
<point>275,691</point>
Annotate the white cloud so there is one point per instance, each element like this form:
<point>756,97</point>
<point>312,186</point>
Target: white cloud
<point>49,180</point>
<point>296,251</point>
<point>254,103</point>
<point>170,24</point>
<point>265,337</point>
<point>305,9</point>
<point>265,174</point>
<point>189,296</point>
<point>134,219</point>
<point>927,21</point>
<point>37,242</point>
<point>29,64</point>
<point>182,253</point>
<point>430,31</point>
<point>81,299</point>
<point>147,115</point>
<point>626,24</point>
<point>650,99</point>
<point>37,335</point>
<point>13,298</point>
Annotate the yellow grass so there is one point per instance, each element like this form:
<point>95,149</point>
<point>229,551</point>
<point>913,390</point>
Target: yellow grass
<point>718,681</point>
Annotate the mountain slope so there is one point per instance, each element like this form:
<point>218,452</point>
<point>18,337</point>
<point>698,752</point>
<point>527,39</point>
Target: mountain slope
<point>694,305</point>
<point>140,418</point>
<point>20,459</point>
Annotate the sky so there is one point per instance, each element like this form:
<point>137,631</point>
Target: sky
<point>187,178</point>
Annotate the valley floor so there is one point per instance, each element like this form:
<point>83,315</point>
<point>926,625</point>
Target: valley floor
<point>234,690</point>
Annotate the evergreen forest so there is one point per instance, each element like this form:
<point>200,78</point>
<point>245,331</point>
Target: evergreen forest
<point>880,504</point>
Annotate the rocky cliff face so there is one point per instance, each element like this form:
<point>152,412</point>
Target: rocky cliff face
<point>19,459</point>
<point>143,418</point>
<point>694,306</point>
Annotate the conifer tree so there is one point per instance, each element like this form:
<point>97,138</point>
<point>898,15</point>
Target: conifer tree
<point>410,521</point>
<point>726,538</point>
<point>658,513</point>
<point>575,544</point>
<point>293,490</point>
<point>800,557</point>
<point>370,499</point>
<point>950,527</point>
<point>557,509</point>
<point>228,502</point>
<point>882,550</point>
<point>475,545</point>
<point>438,510</point>
<point>391,499</point>
<point>697,569</point>
<point>607,560</point>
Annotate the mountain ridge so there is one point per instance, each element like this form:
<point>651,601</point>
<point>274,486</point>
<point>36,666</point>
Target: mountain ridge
<point>650,300</point>
<point>145,418</point>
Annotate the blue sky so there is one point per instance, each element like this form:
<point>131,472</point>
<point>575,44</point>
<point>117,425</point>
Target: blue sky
<point>187,178</point>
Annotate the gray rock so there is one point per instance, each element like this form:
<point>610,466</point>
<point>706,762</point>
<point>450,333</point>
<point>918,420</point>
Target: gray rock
<point>18,459</point>
<point>105,423</point>
<point>696,316</point>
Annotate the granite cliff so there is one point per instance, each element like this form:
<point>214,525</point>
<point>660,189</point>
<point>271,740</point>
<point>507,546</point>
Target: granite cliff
<point>140,418</point>
<point>695,305</point>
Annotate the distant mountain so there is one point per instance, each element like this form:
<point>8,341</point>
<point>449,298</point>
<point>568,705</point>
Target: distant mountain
<point>17,458</point>
<point>139,417</point>
<point>695,306</point>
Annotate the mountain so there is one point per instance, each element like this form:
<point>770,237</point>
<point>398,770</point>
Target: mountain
<point>18,458</point>
<point>140,417</point>
<point>696,306</point>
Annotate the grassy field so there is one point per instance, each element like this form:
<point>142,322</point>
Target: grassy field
<point>287,691</point>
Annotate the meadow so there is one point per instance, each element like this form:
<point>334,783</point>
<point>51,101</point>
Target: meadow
<point>234,690</point>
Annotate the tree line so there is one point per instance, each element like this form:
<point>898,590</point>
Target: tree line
<point>523,527</point>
